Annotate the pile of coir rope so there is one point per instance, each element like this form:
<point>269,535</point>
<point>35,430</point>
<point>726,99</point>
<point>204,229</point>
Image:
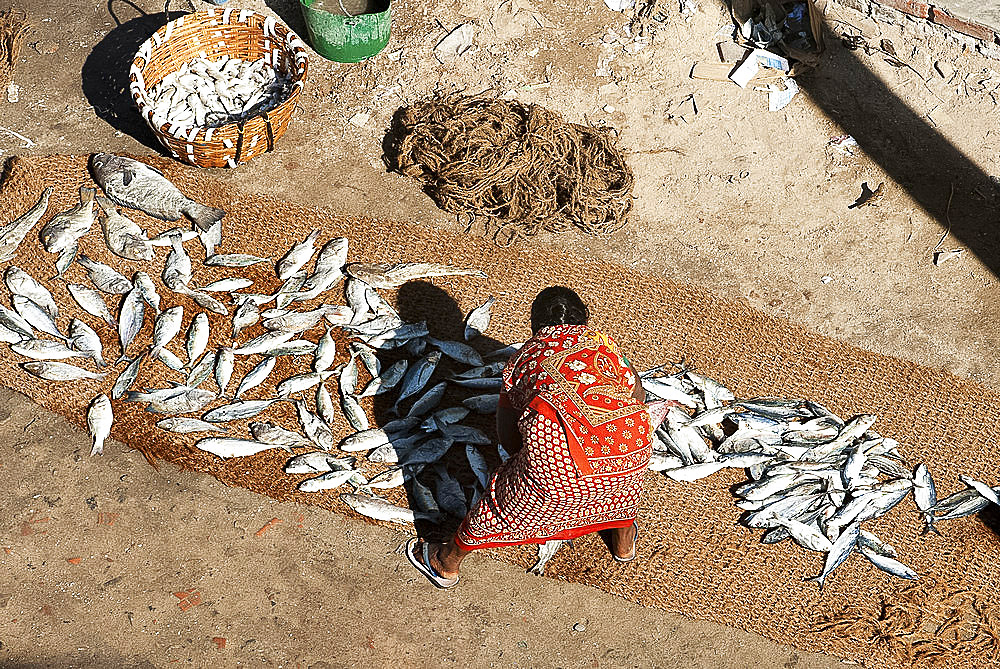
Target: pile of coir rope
<point>524,167</point>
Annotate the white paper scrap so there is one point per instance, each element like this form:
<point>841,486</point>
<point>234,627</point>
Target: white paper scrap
<point>777,100</point>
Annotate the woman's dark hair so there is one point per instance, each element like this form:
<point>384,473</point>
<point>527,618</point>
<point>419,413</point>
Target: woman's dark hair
<point>557,305</point>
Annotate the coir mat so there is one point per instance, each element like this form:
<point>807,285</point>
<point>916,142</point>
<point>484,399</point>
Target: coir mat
<point>693,558</point>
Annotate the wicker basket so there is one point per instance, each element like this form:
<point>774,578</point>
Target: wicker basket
<point>238,33</point>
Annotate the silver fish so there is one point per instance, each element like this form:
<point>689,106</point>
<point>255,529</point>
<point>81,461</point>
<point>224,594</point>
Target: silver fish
<point>66,259</point>
<point>36,316</point>
<point>12,234</point>
<point>384,275</point>
<point>326,351</point>
<point>418,375</point>
<point>888,564</point>
<point>478,320</point>
<point>136,185</point>
<point>205,300</point>
<point>443,417</point>
<point>317,462</point>
<point>296,321</point>
<point>367,357</point>
<point>348,380</point>
<point>182,425</point>
<point>99,420</point>
<point>365,440</point>
<point>211,237</point>
<point>390,478</point>
<point>189,400</point>
<point>197,337</point>
<point>224,361</point>
<point>289,289</point>
<point>91,301</point>
<point>318,283</point>
<point>126,378</point>
<point>9,336</point>
<point>237,410</point>
<point>294,347</point>
<point>130,320</point>
<point>83,338</point>
<point>545,553</point>
<point>255,376</point>
<point>202,370</point>
<point>925,495</point>
<point>228,285</point>
<point>660,461</point>
<point>20,282</point>
<point>980,487</point>
<point>492,369</point>
<point>59,371</point>
<point>297,256</point>
<point>477,463</point>
<point>317,431</point>
<point>381,509</point>
<point>270,433</point>
<point>299,382</point>
<point>167,325</point>
<point>165,238</point>
<point>145,284</point>
<point>429,451</point>
<point>105,278</point>
<point>324,404</point>
<point>264,343</point>
<point>353,412</point>
<point>246,314</point>
<point>125,239</point>
<point>355,291</point>
<point>332,257</point>
<point>485,404</point>
<point>176,273</point>
<point>428,400</point>
<point>450,496</point>
<point>841,549</point>
<point>233,260</point>
<point>490,383</point>
<point>45,349</point>
<point>423,496</point>
<point>66,227</point>
<point>232,448</point>
<point>457,351</point>
<point>332,480</point>
<point>387,381</point>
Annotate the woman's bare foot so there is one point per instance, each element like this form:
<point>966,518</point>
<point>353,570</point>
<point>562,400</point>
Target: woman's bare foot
<point>623,542</point>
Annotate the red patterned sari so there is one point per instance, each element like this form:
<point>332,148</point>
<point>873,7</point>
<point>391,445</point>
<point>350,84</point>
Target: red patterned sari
<point>586,444</point>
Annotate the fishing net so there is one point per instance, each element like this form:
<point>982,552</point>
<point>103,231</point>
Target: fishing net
<point>522,166</point>
<point>13,26</point>
<point>693,558</point>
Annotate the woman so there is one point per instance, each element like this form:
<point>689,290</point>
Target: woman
<point>572,415</point>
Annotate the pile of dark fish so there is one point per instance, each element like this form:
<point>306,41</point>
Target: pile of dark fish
<point>813,478</point>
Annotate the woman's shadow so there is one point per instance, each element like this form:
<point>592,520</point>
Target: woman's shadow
<point>418,301</point>
<point>105,73</point>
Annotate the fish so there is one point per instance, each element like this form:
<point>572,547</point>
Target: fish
<point>660,461</point>
<point>428,400</point>
<point>484,404</point>
<point>83,338</point>
<point>317,431</point>
<point>99,420</point>
<point>36,316</point>
<point>246,315</point>
<point>9,336</point>
<point>491,383</point>
<point>980,487</point>
<point>264,344</point>
<point>210,237</point>
<point>478,320</point>
<point>331,480</point>
<point>224,361</point>
<point>202,370</point>
<point>443,417</point>
<point>126,378</point>
<point>355,292</point>
<point>492,369</point>
<point>450,496</point>
<point>888,564</point>
<point>355,415</point>
<point>297,256</point>
<point>182,425</point>
<point>545,553</point>
<point>841,549</point>
<point>231,448</point>
<point>417,376</point>
<point>326,351</point>
<point>168,358</point>
<point>332,257</point>
<point>477,463</point>
<point>91,301</point>
<point>429,451</point>
<point>186,400</point>
<point>289,289</point>
<point>387,381</point>
<point>145,284</point>
<point>457,351</point>
<point>255,376</point>
<point>130,183</point>
<point>106,279</point>
<point>66,259</point>
<point>324,404</point>
<point>299,382</point>
<point>166,327</point>
<point>176,274</point>
<point>270,433</point>
<point>233,260</point>
<point>317,462</point>
<point>21,283</point>
<point>386,276</point>
<point>381,509</point>
<point>66,227</point>
<point>237,410</point>
<point>197,337</point>
<point>122,235</point>
<point>59,371</point>
<point>228,285</point>
<point>296,321</point>
<point>130,320</point>
<point>925,496</point>
<point>12,234</point>
<point>45,349</point>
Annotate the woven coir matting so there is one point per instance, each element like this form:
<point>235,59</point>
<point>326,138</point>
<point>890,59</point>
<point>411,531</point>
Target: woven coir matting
<point>693,559</point>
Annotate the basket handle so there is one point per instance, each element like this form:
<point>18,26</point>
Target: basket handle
<point>239,136</point>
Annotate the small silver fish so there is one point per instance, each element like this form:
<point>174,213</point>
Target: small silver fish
<point>384,275</point>
<point>224,361</point>
<point>126,378</point>
<point>197,337</point>
<point>457,351</point>
<point>145,284</point>
<point>45,349</point>
<point>246,314</point>
<point>233,260</point>
<point>428,400</point>
<point>255,376</point>
<point>36,316</point>
<point>299,382</point>
<point>83,338</point>
<point>66,227</point>
<point>270,433</point>
<point>130,183</point>
<point>122,235</point>
<point>387,381</point>
<point>485,404</point>
<point>59,371</point>
<point>326,351</point>
<point>545,553</point>
<point>418,375</point>
<point>91,301</point>
<point>99,420</point>
<point>297,256</point>
<point>12,234</point>
<point>355,415</point>
<point>165,238</point>
<point>381,509</point>
<point>232,448</point>
<point>264,343</point>
<point>478,319</point>
<point>176,273</point>
<point>66,259</point>
<point>130,320</point>
<point>324,404</point>
<point>167,325</point>
<point>332,480</point>
<point>202,370</point>
<point>317,462</point>
<point>314,427</point>
<point>237,410</point>
<point>211,237</point>
<point>20,282</point>
<point>104,277</point>
<point>15,322</point>
<point>183,425</point>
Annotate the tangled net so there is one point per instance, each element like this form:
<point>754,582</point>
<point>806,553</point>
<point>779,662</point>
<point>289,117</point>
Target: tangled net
<point>522,166</point>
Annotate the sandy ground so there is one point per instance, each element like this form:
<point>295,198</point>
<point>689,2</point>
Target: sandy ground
<point>751,203</point>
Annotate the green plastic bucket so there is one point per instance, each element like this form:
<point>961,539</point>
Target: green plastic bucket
<point>347,31</point>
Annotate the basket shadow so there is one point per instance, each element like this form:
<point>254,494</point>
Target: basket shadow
<point>105,73</point>
<point>423,301</point>
<point>290,12</point>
